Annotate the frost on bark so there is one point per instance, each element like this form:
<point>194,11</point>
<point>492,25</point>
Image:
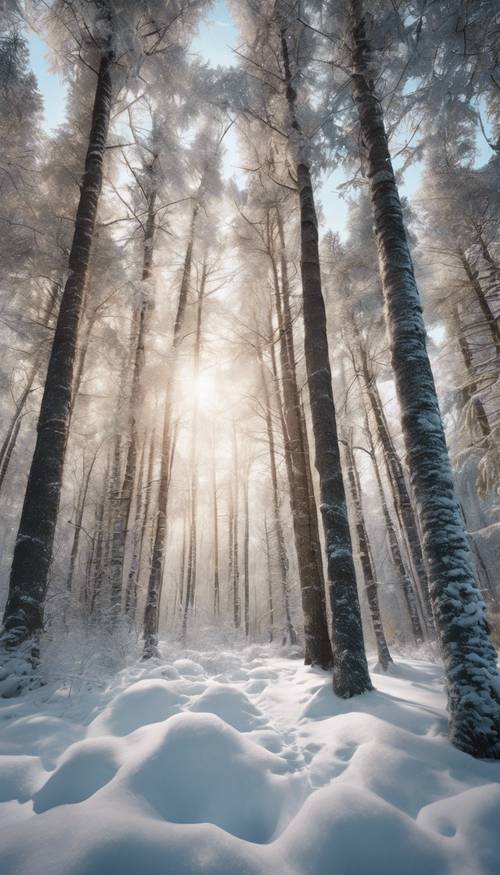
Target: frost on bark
<point>350,668</point>
<point>24,611</point>
<point>459,611</point>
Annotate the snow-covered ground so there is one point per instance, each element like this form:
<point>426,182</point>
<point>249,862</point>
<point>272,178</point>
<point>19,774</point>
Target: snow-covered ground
<point>242,763</point>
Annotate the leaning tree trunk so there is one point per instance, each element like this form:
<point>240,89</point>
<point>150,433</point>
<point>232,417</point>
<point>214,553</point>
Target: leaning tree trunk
<point>24,611</point>
<point>371,584</point>
<point>350,668</point>
<point>459,611</point>
<point>318,650</point>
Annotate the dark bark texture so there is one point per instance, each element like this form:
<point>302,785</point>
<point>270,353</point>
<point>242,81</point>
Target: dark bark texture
<point>459,611</point>
<point>24,611</point>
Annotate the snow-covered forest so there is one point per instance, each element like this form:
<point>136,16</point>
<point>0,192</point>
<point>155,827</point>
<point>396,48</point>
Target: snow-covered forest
<point>250,437</point>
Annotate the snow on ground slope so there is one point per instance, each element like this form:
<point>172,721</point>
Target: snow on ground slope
<point>242,763</point>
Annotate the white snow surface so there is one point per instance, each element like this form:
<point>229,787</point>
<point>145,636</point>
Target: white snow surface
<point>242,763</point>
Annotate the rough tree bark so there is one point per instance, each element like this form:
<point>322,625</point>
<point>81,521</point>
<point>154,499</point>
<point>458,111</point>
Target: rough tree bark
<point>318,649</point>
<point>459,611</point>
<point>24,610</point>
<point>350,668</point>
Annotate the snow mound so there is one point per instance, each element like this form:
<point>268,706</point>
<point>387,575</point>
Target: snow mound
<point>147,701</point>
<point>201,770</point>
<point>232,705</point>
<point>219,763</point>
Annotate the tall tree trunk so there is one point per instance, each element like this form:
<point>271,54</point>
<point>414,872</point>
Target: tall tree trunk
<point>318,649</point>
<point>235,536</point>
<point>153,596</point>
<point>135,559</point>
<point>82,501</point>
<point>182,570</point>
<point>395,550</point>
<point>215,513</point>
<point>290,634</point>
<point>350,668</point>
<point>119,542</point>
<point>246,552</point>
<point>24,610</point>
<point>96,574</point>
<point>193,456</point>
<point>395,473</point>
<point>371,584</point>
<point>269,584</point>
<point>230,540</point>
<point>148,490</point>
<point>459,611</point>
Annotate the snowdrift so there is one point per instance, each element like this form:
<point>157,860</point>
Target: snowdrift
<point>242,764</point>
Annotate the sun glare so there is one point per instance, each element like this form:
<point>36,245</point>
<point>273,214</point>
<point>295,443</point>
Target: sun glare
<point>205,391</point>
